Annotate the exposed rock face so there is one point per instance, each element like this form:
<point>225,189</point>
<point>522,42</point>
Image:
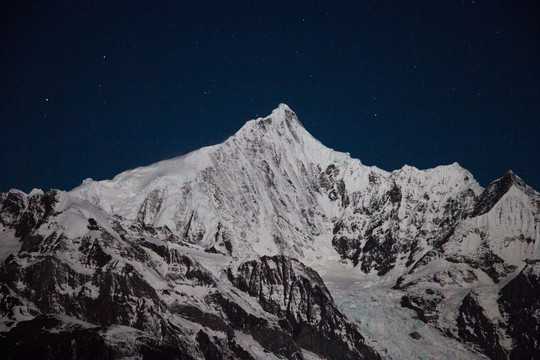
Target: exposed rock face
<point>495,191</point>
<point>63,296</point>
<point>476,328</point>
<point>520,300</point>
<point>395,218</point>
<point>47,337</point>
<point>14,203</point>
<point>425,305</point>
<point>488,244</point>
<point>298,296</point>
<point>185,257</point>
<point>133,297</point>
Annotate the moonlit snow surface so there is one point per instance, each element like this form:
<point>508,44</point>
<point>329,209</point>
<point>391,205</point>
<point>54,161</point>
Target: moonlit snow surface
<point>375,308</point>
<point>272,189</point>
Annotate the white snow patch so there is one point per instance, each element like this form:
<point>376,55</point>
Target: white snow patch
<point>253,347</point>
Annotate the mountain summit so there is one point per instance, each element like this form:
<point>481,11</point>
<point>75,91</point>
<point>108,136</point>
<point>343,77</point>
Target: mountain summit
<point>203,195</point>
<point>272,245</point>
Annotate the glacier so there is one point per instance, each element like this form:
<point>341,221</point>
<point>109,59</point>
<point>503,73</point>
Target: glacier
<point>423,264</point>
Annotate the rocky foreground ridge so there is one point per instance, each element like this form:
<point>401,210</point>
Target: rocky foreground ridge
<point>271,245</point>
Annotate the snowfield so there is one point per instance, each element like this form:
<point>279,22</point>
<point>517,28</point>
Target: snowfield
<point>271,245</point>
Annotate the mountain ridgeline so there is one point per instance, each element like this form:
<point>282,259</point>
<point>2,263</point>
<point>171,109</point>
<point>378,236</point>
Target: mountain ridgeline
<point>271,245</point>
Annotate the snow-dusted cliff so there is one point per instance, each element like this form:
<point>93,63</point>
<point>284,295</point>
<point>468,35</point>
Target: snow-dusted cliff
<point>157,258</point>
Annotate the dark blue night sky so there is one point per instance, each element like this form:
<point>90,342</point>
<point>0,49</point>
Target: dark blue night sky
<point>92,88</point>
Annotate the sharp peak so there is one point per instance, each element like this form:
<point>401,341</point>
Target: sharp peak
<point>511,179</point>
<point>508,179</point>
<point>283,113</point>
<point>282,107</point>
<point>511,174</point>
<point>495,191</point>
<point>281,117</point>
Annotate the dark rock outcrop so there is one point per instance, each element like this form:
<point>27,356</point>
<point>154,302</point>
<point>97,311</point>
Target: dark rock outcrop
<point>298,296</point>
<point>520,300</point>
<point>495,191</point>
<point>476,328</point>
<point>269,336</point>
<point>425,304</point>
<point>144,254</point>
<point>46,337</point>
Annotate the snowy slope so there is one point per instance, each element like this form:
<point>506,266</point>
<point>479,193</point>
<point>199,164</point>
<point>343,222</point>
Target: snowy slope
<point>248,177</point>
<point>429,247</point>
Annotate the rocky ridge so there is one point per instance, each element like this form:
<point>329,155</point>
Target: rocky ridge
<point>184,258</point>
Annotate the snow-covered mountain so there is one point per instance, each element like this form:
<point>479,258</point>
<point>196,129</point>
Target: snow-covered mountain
<point>271,245</point>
